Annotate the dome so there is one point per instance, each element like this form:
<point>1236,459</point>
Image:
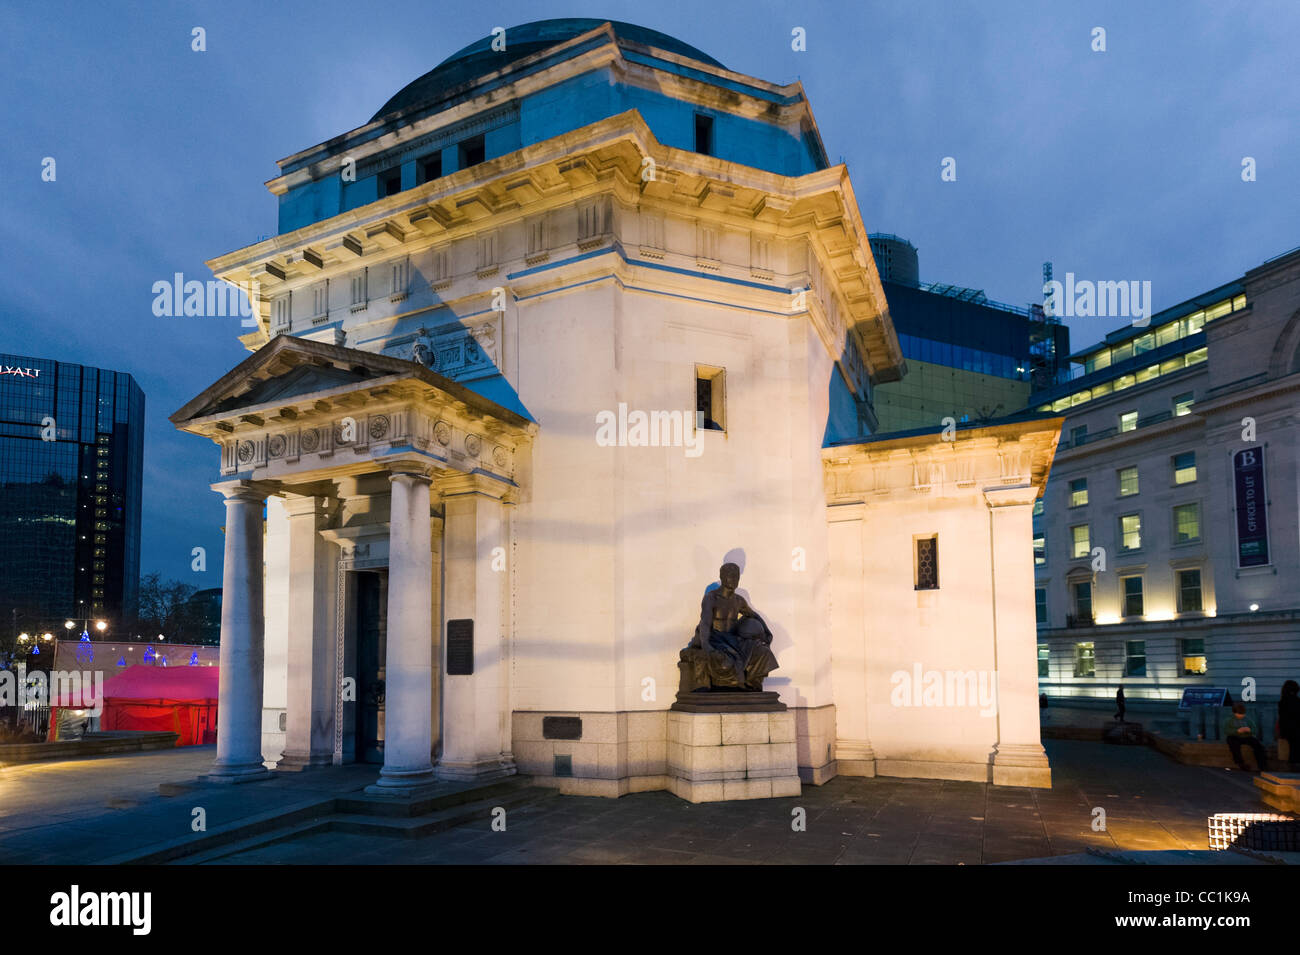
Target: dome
<point>479,58</point>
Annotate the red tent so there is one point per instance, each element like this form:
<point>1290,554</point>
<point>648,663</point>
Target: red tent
<point>180,699</point>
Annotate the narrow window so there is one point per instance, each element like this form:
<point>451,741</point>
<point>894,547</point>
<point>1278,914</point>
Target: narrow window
<point>710,398</point>
<point>704,134</point>
<point>1083,604</point>
<point>1130,532</point>
<point>1044,658</point>
<point>1079,492</point>
<point>1040,549</point>
<point>1189,591</point>
<point>390,183</point>
<point>1080,542</point>
<point>1135,658</point>
<point>1040,606</point>
<point>1185,467</point>
<point>472,151</point>
<point>1132,596</point>
<point>1192,651</point>
<point>431,167</point>
<point>927,563</point>
<point>1128,481</point>
<point>1085,660</point>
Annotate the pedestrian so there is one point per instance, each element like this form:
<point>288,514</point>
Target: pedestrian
<point>1287,728</point>
<point>1240,730</point>
<point>1119,704</point>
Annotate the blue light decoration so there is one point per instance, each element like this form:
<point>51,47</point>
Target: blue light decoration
<point>162,661</point>
<point>194,658</point>
<point>122,662</point>
<point>85,649</point>
<point>149,654</point>
<point>36,651</point>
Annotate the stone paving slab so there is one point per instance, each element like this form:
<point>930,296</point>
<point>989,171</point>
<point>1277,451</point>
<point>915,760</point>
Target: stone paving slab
<point>1150,802</point>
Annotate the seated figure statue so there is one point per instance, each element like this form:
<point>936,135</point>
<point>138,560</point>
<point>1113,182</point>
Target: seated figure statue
<point>731,649</point>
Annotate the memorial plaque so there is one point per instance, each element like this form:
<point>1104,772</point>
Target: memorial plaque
<point>561,727</point>
<point>460,647</point>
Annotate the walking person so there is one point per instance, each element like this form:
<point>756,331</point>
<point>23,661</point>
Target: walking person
<point>1119,704</point>
<point>1240,730</point>
<point>1287,728</point>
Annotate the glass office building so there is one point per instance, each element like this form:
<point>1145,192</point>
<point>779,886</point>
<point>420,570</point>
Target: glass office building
<point>71,461</point>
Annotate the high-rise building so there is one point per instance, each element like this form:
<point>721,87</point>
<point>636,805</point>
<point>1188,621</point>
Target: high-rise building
<point>968,358</point>
<point>71,457</point>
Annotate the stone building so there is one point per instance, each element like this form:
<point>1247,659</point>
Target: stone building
<point>574,318</point>
<point>1167,553</point>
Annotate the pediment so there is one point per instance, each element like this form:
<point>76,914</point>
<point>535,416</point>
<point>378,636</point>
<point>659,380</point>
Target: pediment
<point>302,380</point>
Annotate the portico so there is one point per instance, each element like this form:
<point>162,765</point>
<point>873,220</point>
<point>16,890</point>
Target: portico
<point>374,467</point>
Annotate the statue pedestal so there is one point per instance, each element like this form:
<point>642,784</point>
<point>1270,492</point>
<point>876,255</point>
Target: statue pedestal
<point>715,756</point>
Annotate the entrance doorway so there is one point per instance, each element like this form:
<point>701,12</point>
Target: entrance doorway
<point>371,630</point>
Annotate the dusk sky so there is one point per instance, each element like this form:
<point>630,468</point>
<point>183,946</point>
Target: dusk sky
<point>1116,165</point>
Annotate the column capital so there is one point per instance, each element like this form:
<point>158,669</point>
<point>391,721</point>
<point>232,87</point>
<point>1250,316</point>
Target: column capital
<point>458,484</point>
<point>300,505</point>
<point>250,491</point>
<point>1021,495</point>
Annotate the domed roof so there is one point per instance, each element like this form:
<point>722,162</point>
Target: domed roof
<point>479,58</point>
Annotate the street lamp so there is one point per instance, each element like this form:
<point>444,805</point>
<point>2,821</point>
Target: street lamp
<point>24,637</point>
<point>101,626</point>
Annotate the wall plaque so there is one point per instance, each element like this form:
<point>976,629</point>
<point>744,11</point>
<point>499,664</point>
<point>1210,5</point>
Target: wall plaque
<point>460,647</point>
<point>561,727</point>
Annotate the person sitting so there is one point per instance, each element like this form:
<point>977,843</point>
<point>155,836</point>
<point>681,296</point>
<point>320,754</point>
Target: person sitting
<point>1240,730</point>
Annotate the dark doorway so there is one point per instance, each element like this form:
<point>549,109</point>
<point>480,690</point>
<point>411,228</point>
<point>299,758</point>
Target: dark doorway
<point>371,630</point>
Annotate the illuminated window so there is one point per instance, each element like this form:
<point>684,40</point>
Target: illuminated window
<point>1185,467</point>
<point>1135,658</point>
<point>1085,660</point>
<point>1187,523</point>
<point>1128,421</point>
<point>1182,404</point>
<point>1080,545</point>
<point>1040,605</point>
<point>1189,591</point>
<point>1078,492</point>
<point>1132,591</point>
<point>1044,657</point>
<point>1128,481</point>
<point>1144,344</point>
<point>1040,549</point>
<point>1192,651</point>
<point>1130,531</point>
<point>927,563</point>
<point>1038,508</point>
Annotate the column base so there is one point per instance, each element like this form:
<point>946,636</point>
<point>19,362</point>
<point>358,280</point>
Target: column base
<point>1020,764</point>
<point>480,770</point>
<point>302,762</point>
<point>854,758</point>
<point>402,784</point>
<point>245,773</point>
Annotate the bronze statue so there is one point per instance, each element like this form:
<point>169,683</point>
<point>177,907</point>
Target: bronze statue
<point>731,649</point>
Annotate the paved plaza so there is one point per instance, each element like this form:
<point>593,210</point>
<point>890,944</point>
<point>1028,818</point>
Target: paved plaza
<point>108,808</point>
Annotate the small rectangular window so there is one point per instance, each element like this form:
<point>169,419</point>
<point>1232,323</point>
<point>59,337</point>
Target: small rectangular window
<point>1085,660</point>
<point>1079,435</point>
<point>1135,658</point>
<point>704,134</point>
<point>1040,605</point>
<point>1128,482</point>
<point>1044,659</point>
<point>1185,467</point>
<point>1083,603</point>
<point>472,151</point>
<point>1128,421</point>
<point>710,398</point>
<point>1130,531</point>
<point>1080,542</point>
<point>927,563</point>
<point>1195,661</point>
<point>431,167</point>
<point>1182,404</point>
<point>1038,508</point>
<point>390,183</point>
<point>1187,523</point>
<point>1078,492</point>
<point>1040,549</point>
<point>1189,591</point>
<point>1132,591</point>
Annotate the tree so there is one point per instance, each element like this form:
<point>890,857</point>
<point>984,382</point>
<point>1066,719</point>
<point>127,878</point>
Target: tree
<point>165,608</point>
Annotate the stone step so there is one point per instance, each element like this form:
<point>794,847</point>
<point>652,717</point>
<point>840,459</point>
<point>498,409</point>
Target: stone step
<point>383,825</point>
<point>443,796</point>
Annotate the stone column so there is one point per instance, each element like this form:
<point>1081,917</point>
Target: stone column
<point>476,722</point>
<point>239,707</point>
<point>853,753</point>
<point>309,740</point>
<point>1018,757</point>
<point>408,664</point>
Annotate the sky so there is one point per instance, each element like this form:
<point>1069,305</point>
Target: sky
<point>1122,164</point>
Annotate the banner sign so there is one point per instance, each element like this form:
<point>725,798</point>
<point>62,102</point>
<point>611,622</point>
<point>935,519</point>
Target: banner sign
<point>1252,519</point>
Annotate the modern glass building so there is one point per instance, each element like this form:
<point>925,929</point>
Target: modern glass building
<point>71,458</point>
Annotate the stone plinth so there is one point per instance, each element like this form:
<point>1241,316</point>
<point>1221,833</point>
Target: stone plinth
<point>721,756</point>
<point>1280,790</point>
